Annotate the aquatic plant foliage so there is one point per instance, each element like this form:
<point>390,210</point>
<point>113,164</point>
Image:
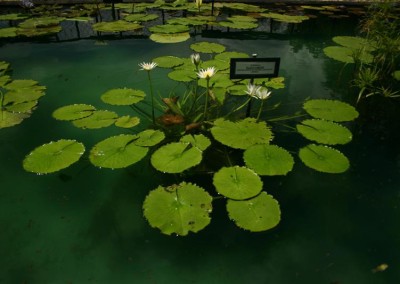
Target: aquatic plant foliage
<point>169,37</point>
<point>123,96</point>
<point>116,26</point>
<point>285,18</point>
<point>73,112</point>
<point>333,110</point>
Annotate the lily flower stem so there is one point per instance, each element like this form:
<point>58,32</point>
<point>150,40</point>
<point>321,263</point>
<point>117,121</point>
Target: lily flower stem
<point>152,98</point>
<point>239,107</point>
<point>248,110</point>
<point>206,100</point>
<point>260,110</point>
<point>145,114</point>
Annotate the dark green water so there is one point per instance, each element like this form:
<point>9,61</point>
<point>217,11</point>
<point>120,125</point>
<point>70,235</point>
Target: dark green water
<point>86,225</point>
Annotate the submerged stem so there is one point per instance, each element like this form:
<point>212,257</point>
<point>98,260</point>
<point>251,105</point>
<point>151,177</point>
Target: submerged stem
<point>152,98</point>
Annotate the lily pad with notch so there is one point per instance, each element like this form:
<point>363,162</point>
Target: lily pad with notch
<point>333,110</point>
<point>178,209</point>
<point>207,47</point>
<point>237,182</point>
<point>268,160</point>
<point>53,156</point>
<point>116,26</point>
<point>169,38</point>
<point>73,112</point>
<point>257,214</point>
<point>324,132</point>
<point>98,119</point>
<point>169,29</point>
<point>324,159</point>
<point>123,96</point>
<point>127,121</point>
<point>168,61</point>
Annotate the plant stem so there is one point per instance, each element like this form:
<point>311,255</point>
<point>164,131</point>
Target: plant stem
<point>260,110</point>
<point>152,98</point>
<point>206,100</point>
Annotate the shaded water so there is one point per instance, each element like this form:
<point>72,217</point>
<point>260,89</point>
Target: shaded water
<point>85,225</point>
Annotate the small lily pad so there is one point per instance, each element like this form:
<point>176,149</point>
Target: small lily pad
<point>53,156</point>
<point>8,32</point>
<point>330,110</point>
<point>149,137</point>
<point>141,17</point>
<point>324,132</point>
<point>169,29</point>
<point>116,26</point>
<point>324,159</point>
<point>98,119</point>
<point>169,38</point>
<point>227,55</point>
<point>268,160</point>
<point>22,95</point>
<point>347,55</point>
<point>20,84</point>
<point>207,47</point>
<point>200,141</point>
<point>73,112</point>
<point>127,121</point>
<point>178,209</point>
<point>285,18</point>
<point>176,157</point>
<point>123,97</point>
<point>182,75</point>
<point>237,182</point>
<point>241,134</point>
<point>354,42</point>
<point>13,17</point>
<point>9,118</point>
<point>258,214</point>
<point>117,152</point>
<point>168,61</point>
<point>41,22</point>
<point>22,107</point>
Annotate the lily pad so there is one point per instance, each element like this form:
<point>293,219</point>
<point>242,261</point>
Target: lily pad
<point>200,141</point>
<point>98,119</point>
<point>53,156</point>
<point>170,38</point>
<point>4,80</point>
<point>238,90</point>
<point>4,66</point>
<point>238,25</point>
<point>241,134</point>
<point>33,32</point>
<point>8,32</point>
<point>141,17</point>
<point>127,121</point>
<point>9,118</point>
<point>217,64</point>
<point>330,110</point>
<point>207,47</point>
<point>324,159</point>
<point>268,160</point>
<point>149,137</point>
<point>354,42</point>
<point>178,209</point>
<point>324,132</point>
<point>182,75</point>
<point>20,84</point>
<point>176,157</point>
<point>347,55</point>
<point>237,182</point>
<point>73,112</point>
<point>285,18</point>
<point>116,26</point>
<point>117,152</point>
<point>227,55</point>
<point>396,75</point>
<point>243,7</point>
<point>22,107</point>
<point>275,83</point>
<point>169,29</point>
<point>258,214</point>
<point>241,18</point>
<point>123,97</point>
<point>22,95</point>
<point>168,61</point>
<point>41,22</point>
<point>12,17</point>
<point>219,80</point>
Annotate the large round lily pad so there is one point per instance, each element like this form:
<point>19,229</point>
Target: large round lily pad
<point>169,29</point>
<point>117,152</point>
<point>324,159</point>
<point>354,42</point>
<point>127,121</point>
<point>73,112</point>
<point>237,182</point>
<point>324,132</point>
<point>207,47</point>
<point>116,26</point>
<point>182,75</point>
<point>169,38</point>
<point>285,18</point>
<point>123,97</point>
<point>168,61</point>
<point>330,110</point>
<point>176,157</point>
<point>8,32</point>
<point>149,137</point>
<point>268,160</point>
<point>241,134</point>
<point>53,156</point>
<point>178,209</point>
<point>258,214</point>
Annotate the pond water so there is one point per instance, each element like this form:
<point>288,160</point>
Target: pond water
<point>85,225</point>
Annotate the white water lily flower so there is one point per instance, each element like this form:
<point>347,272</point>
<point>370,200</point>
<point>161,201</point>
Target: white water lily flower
<point>262,94</point>
<point>148,66</point>
<point>252,90</point>
<point>198,3</point>
<point>195,57</point>
<point>207,73</point>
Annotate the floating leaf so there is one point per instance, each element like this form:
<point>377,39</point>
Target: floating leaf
<point>41,22</point>
<point>238,25</point>
<point>116,26</point>
<point>123,97</point>
<point>127,121</point>
<point>4,80</point>
<point>8,32</point>
<point>22,107</point>
<point>117,152</point>
<point>176,157</point>
<point>4,66</point>
<point>285,18</point>
<point>240,18</point>
<point>354,42</point>
<point>8,118</point>
<point>396,75</point>
<point>241,134</point>
<point>200,141</point>
<point>20,84</point>
<point>237,182</point>
<point>168,61</point>
<point>53,156</point>
<point>324,159</point>
<point>149,137</point>
<point>140,17</point>
<point>98,119</point>
<point>227,55</point>
<point>178,209</point>
<point>182,75</point>
<point>347,55</point>
<point>207,47</point>
<point>73,112</point>
<point>22,95</point>
<point>268,160</point>
<point>219,80</point>
<point>217,64</point>
<point>170,38</point>
<point>169,29</point>
<point>324,132</point>
<point>12,17</point>
<point>238,90</point>
<point>330,110</point>
<point>275,83</point>
<point>32,32</point>
<point>258,214</point>
<point>243,7</point>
